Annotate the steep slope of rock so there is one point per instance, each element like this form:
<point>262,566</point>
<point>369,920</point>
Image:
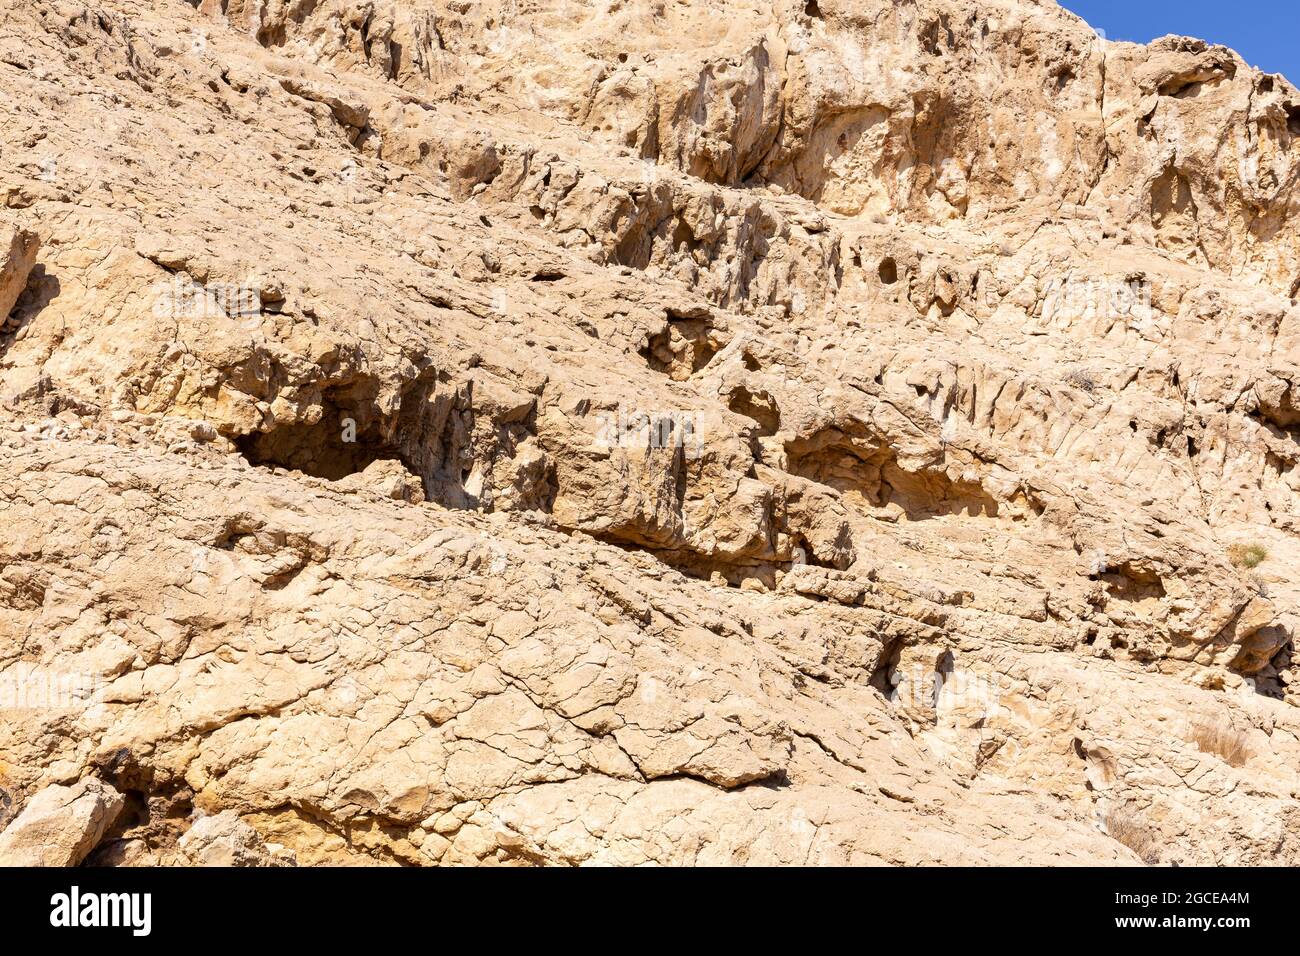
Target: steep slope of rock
<point>550,431</point>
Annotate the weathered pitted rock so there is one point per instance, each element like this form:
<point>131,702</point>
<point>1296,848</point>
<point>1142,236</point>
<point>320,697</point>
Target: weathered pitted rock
<point>736,431</point>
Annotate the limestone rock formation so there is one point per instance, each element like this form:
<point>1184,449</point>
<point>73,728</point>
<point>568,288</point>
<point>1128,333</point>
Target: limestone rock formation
<point>562,432</point>
<point>20,246</point>
<point>60,825</point>
<point>226,840</point>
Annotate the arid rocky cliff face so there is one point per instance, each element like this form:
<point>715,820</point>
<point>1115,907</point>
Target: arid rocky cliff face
<point>644,431</point>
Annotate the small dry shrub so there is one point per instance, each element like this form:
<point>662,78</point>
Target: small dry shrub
<point>1125,826</point>
<point>1247,555</point>
<point>1081,379</point>
<point>1225,742</point>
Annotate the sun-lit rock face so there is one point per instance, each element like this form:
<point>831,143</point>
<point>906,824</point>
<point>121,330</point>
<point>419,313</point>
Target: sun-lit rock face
<point>555,432</point>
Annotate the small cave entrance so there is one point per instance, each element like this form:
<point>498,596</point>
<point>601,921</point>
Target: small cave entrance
<point>942,674</point>
<point>346,439</point>
<point>685,347</point>
<point>1131,581</point>
<point>334,447</point>
<point>758,406</point>
<point>882,675</point>
<point>809,554</point>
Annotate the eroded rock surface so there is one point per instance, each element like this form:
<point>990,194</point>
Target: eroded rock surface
<point>60,825</point>
<point>718,432</point>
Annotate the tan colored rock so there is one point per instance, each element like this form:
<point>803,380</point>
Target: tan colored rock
<point>225,840</point>
<point>723,432</point>
<point>18,248</point>
<point>387,478</point>
<point>60,825</point>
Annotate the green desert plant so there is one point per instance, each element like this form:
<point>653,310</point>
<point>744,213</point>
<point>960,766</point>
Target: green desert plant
<point>1247,555</point>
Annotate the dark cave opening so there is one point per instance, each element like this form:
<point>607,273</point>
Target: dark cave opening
<point>335,446</point>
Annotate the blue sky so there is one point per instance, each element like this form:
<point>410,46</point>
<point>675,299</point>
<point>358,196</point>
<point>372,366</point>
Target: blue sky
<point>1265,32</point>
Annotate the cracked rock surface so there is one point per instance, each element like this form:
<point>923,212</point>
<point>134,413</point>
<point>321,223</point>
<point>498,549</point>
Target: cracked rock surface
<point>559,432</point>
